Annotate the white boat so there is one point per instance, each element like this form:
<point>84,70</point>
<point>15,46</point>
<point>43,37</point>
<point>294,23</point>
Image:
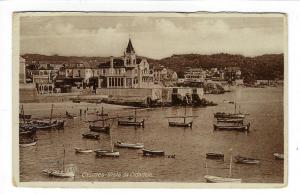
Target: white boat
<point>278,156</point>
<point>28,144</point>
<point>59,173</point>
<point>129,145</point>
<point>217,179</point>
<point>107,153</point>
<point>80,150</point>
<point>63,173</point>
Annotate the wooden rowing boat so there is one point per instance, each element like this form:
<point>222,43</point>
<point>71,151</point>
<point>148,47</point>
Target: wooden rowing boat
<point>80,150</point>
<point>153,152</point>
<point>107,153</point>
<point>129,145</point>
<point>212,155</point>
<point>246,160</point>
<point>238,127</point>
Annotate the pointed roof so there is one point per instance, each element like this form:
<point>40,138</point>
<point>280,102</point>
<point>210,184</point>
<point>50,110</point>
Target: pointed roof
<point>129,48</point>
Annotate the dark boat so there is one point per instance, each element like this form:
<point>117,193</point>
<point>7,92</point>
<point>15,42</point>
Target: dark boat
<point>239,127</point>
<point>89,135</point>
<point>70,116</point>
<point>96,128</point>
<point>212,155</point>
<point>100,128</point>
<point>131,121</point>
<point>235,115</point>
<point>231,120</point>
<point>178,124</point>
<point>26,117</point>
<point>45,125</point>
<point>76,100</point>
<point>153,152</point>
<point>246,160</point>
<point>181,124</point>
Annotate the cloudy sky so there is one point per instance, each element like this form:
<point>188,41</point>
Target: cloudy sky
<point>154,37</point>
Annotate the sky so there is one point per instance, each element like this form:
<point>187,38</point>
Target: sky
<point>152,36</point>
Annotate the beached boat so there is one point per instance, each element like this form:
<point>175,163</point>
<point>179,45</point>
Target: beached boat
<point>278,156</point>
<point>70,116</point>
<point>89,135</point>
<point>131,121</point>
<point>212,155</point>
<point>62,173</point>
<point>234,126</point>
<point>153,152</point>
<point>81,150</point>
<point>218,179</point>
<point>129,145</point>
<point>245,160</point>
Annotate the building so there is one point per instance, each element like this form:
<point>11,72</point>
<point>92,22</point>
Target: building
<point>195,75</point>
<point>22,70</point>
<point>160,73</point>
<point>128,71</point>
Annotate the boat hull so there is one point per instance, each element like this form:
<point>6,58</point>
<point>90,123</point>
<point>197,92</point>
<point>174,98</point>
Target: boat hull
<point>244,160</point>
<point>58,173</point>
<point>278,156</point>
<point>79,150</point>
<point>177,124</point>
<point>131,123</point>
<point>153,152</point>
<point>99,129</point>
<point>229,115</point>
<point>216,179</point>
<point>42,125</point>
<point>129,145</point>
<point>107,153</point>
<point>91,136</point>
<point>28,144</point>
<point>232,127</point>
<point>215,156</point>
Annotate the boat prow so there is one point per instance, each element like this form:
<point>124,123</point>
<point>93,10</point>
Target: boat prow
<point>216,179</point>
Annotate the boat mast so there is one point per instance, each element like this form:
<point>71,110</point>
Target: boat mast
<point>51,113</point>
<point>23,113</point>
<point>234,107</point>
<point>135,115</point>
<point>230,165</point>
<point>64,159</point>
<point>110,134</point>
<point>184,114</point>
<point>102,117</point>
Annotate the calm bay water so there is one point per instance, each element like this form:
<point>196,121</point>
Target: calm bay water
<point>266,136</point>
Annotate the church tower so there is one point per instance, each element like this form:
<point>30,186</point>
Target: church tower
<point>129,55</point>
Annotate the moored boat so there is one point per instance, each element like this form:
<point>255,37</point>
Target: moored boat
<point>27,144</point>
<point>278,156</point>
<point>229,115</point>
<point>217,179</point>
<point>89,135</point>
<point>238,127</point>
<point>129,145</point>
<point>97,128</point>
<point>185,123</point>
<point>58,173</point>
<point>131,121</point>
<point>231,120</point>
<point>246,160</point>
<point>153,152</point>
<point>44,124</point>
<point>107,153</point>
<point>81,150</point>
<point>213,155</point>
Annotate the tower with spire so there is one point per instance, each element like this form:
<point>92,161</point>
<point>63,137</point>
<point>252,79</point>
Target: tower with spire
<point>129,55</point>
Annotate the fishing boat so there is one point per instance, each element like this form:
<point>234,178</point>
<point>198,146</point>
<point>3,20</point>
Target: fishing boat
<point>232,126</point>
<point>63,173</point>
<point>81,150</point>
<point>153,152</point>
<point>108,153</point>
<point>131,121</point>
<point>97,128</point>
<point>181,124</point>
<point>234,115</point>
<point>230,120</point>
<point>103,127</point>
<point>90,135</point>
<point>212,155</point>
<point>218,179</point>
<point>278,156</point>
<point>245,160</point>
<point>129,145</point>
<point>48,124</point>
<point>26,117</point>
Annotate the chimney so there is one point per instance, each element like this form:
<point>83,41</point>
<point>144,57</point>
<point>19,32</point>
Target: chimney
<point>111,62</point>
